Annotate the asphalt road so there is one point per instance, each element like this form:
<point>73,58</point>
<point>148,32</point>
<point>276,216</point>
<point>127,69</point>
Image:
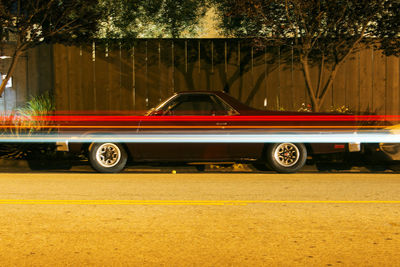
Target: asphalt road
<point>199,219</point>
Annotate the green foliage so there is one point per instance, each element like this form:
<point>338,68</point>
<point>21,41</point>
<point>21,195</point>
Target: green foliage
<point>316,27</point>
<point>341,109</point>
<point>35,21</point>
<point>31,117</point>
<point>323,33</point>
<point>334,109</point>
<point>389,28</point>
<point>26,120</point>
<point>150,18</point>
<point>30,22</point>
<point>38,105</point>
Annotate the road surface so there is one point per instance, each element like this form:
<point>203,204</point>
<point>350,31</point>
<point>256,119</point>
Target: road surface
<point>202,219</point>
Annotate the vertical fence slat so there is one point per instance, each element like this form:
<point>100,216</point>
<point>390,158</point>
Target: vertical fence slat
<point>60,78</point>
<point>140,76</point>
<point>87,82</point>
<point>246,70</point>
<point>192,78</point>
<point>233,69</point>
<point>300,90</point>
<point>204,66</point>
<point>180,63</point>
<point>366,81</point>
<point>102,84</point>
<point>352,83</point>
<point>273,65</point>
<point>126,80</point>
<point>285,79</point>
<point>339,87</point>
<point>393,86</point>
<point>379,83</point>
<point>74,77</point>
<point>153,73</point>
<point>219,76</point>
<point>114,79</point>
<point>166,71</point>
<point>20,83</point>
<point>259,78</point>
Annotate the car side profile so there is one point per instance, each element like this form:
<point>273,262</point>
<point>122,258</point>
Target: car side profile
<point>199,113</point>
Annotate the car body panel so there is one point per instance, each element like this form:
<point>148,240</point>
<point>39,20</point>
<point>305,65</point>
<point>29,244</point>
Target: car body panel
<point>208,112</point>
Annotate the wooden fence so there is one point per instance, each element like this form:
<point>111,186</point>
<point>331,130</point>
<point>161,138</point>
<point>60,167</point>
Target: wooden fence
<point>137,76</point>
<point>33,75</point>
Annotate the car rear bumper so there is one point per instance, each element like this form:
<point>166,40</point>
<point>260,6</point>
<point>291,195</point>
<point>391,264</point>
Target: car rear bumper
<point>391,150</point>
<point>354,147</point>
<point>62,146</point>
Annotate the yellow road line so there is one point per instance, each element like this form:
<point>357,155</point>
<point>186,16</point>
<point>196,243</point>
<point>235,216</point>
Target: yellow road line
<point>185,202</point>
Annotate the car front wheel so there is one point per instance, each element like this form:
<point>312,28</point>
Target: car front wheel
<point>286,157</point>
<point>107,157</point>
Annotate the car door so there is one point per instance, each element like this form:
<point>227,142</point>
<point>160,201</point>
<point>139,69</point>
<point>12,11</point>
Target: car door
<point>185,114</point>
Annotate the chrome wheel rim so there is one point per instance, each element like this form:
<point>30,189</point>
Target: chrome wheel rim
<point>108,155</point>
<point>287,154</point>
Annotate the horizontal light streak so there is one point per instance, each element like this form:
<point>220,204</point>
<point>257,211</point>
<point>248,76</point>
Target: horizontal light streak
<point>195,126</point>
<point>70,118</point>
<point>364,137</point>
<point>183,202</point>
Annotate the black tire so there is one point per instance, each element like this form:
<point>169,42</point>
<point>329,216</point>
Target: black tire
<point>42,157</point>
<point>286,157</point>
<point>107,157</point>
<point>394,167</point>
<point>48,164</point>
<point>200,168</point>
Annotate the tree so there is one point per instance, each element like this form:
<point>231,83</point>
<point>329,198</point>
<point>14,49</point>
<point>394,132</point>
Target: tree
<point>151,18</point>
<point>321,32</point>
<point>28,23</point>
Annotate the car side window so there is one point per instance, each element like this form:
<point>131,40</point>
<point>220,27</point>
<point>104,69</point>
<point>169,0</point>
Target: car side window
<point>195,104</point>
<point>222,108</point>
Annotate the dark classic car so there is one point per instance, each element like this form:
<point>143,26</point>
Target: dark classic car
<point>205,112</point>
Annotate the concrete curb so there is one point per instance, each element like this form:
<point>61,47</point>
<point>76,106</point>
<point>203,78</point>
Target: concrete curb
<point>14,165</point>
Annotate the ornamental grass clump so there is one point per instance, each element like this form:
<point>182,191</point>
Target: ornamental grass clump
<point>28,120</point>
<point>32,118</point>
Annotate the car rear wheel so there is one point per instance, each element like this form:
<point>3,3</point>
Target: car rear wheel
<point>200,168</point>
<point>107,157</point>
<point>286,157</point>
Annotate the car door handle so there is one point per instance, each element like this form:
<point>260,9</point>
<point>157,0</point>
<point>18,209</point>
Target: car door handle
<point>222,123</point>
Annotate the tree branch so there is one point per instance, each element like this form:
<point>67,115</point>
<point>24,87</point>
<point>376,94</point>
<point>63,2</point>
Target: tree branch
<point>321,74</point>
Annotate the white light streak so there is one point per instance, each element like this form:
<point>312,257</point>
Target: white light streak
<point>365,137</point>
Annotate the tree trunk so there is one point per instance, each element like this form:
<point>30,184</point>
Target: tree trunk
<point>310,88</point>
<point>327,85</point>
<point>318,98</point>
<point>10,71</point>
